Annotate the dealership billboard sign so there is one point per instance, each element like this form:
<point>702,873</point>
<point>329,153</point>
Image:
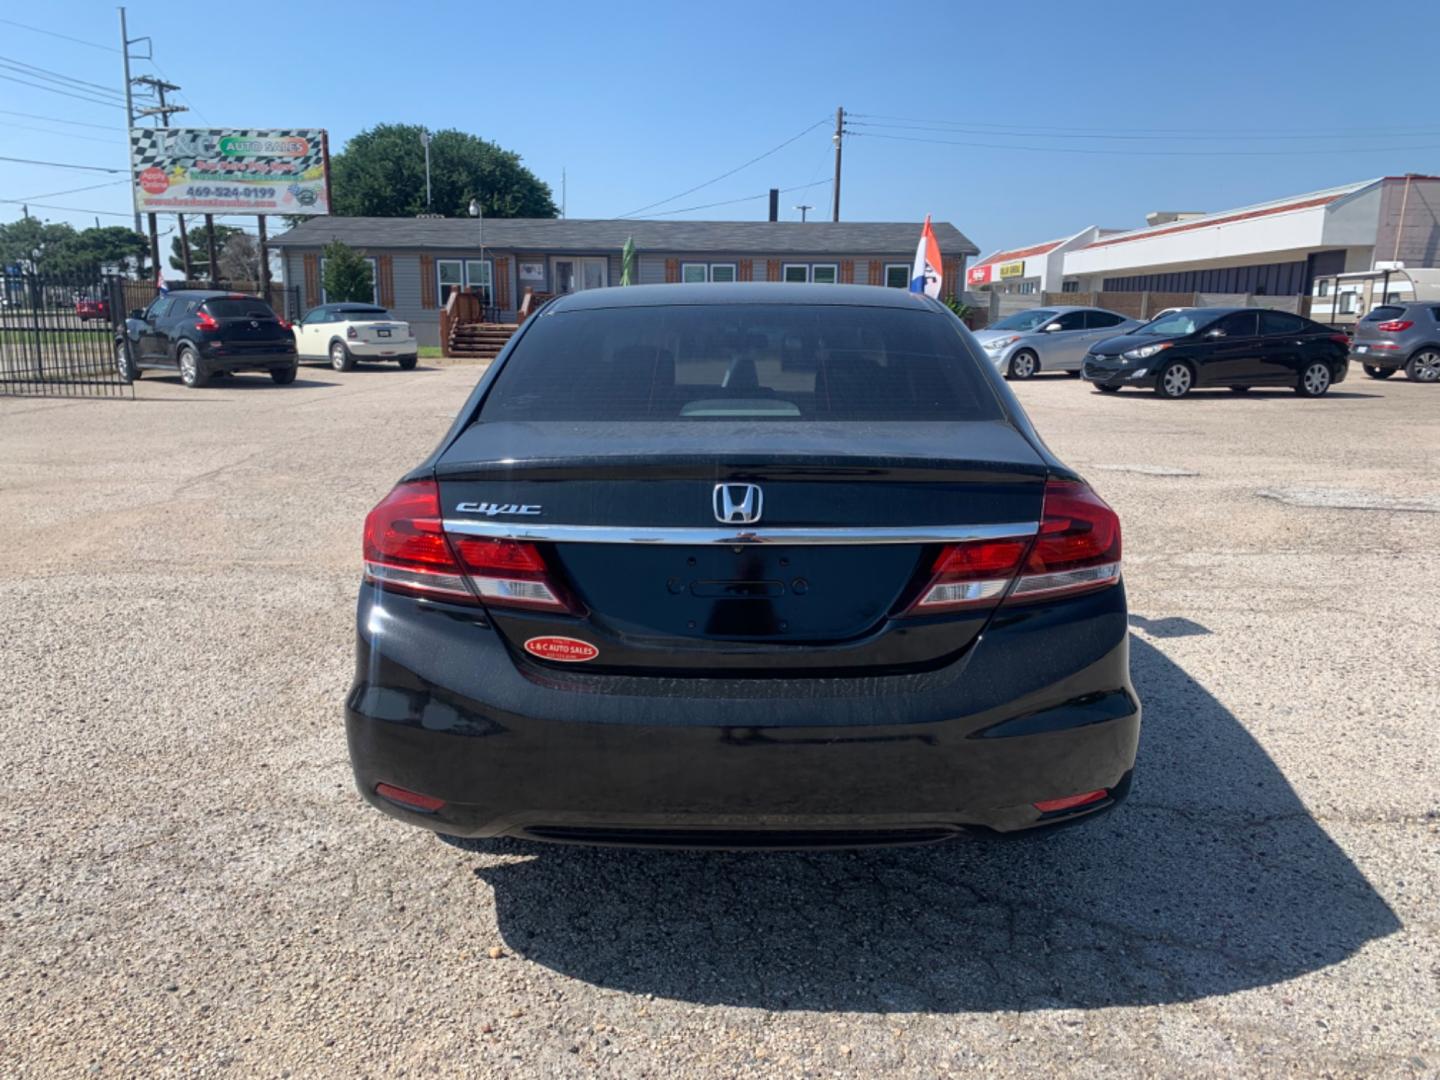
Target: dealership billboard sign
<point>229,171</point>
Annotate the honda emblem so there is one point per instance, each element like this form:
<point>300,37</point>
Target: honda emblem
<point>737,504</point>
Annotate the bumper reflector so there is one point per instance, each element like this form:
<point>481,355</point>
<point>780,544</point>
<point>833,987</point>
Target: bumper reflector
<point>410,800</point>
<point>1069,802</point>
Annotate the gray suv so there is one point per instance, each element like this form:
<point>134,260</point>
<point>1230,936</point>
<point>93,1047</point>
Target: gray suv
<point>1396,336</point>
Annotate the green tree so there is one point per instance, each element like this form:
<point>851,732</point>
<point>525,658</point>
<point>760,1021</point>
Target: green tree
<point>381,173</point>
<point>113,247</point>
<point>200,249</point>
<point>34,244</point>
<point>347,275</point>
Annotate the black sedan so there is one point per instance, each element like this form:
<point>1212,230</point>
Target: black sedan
<point>741,566</point>
<point>198,333</point>
<point>1236,348</point>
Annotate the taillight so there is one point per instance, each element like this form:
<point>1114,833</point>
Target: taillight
<point>351,332</point>
<point>971,574</point>
<point>284,325</point>
<point>407,550</point>
<point>1394,326</point>
<point>205,321</point>
<point>1076,549</point>
<point>508,573</point>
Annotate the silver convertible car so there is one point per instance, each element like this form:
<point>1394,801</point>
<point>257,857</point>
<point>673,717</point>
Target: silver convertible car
<point>1048,338</point>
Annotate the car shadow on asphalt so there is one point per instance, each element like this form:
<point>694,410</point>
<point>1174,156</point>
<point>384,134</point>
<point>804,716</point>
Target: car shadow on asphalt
<point>1212,878</point>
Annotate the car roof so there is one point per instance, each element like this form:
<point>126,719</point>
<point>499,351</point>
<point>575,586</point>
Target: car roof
<point>748,292</point>
<point>355,305</point>
<point>212,294</point>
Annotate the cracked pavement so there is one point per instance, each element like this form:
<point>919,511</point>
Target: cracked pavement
<point>190,882</point>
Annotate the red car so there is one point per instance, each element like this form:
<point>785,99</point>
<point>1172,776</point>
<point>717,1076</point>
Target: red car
<point>86,309</point>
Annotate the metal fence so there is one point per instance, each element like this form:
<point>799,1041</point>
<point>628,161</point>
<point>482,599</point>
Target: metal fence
<point>57,336</point>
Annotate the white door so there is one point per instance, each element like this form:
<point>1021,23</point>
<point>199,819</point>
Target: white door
<point>574,273</point>
<point>310,336</point>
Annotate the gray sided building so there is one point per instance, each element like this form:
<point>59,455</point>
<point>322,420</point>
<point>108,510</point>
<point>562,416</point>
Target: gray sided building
<point>418,261</point>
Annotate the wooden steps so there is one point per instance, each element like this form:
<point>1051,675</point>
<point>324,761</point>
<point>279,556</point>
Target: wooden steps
<point>479,340</point>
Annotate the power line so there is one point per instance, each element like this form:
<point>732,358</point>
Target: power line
<point>63,93</point>
<point>74,190</point>
<point>62,37</point>
<point>743,199</point>
<point>67,209</point>
<point>63,165</point>
<point>1188,136</point>
<point>56,76</point>
<point>1150,153</point>
<point>58,120</point>
<point>731,172</point>
<point>65,134</point>
<point>1263,132</point>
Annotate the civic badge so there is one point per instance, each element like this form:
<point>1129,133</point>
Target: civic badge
<point>738,504</point>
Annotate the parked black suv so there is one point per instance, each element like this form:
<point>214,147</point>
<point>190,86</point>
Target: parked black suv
<point>201,332</point>
<point>1233,347</point>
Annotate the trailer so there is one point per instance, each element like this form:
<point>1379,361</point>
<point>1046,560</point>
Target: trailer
<point>1342,300</point>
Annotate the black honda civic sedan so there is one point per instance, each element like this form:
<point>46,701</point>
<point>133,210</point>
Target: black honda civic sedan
<point>741,566</point>
<point>1238,348</point>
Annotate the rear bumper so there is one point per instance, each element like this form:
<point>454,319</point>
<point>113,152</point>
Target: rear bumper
<point>382,350</point>
<point>1385,358</point>
<point>1040,708</point>
<point>219,358</point>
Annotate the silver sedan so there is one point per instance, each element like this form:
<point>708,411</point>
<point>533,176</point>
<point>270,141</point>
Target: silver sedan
<point>1049,338</point>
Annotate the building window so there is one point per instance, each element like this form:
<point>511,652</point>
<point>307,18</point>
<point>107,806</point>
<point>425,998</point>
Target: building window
<point>1026,288</point>
<point>1322,288</point>
<point>798,272</point>
<point>897,275</point>
<point>1347,303</point>
<point>478,276</point>
<point>697,273</point>
<point>374,280</point>
<point>1070,286</point>
<point>451,274</point>
<point>827,274</point>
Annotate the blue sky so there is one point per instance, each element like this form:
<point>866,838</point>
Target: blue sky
<point>1173,106</point>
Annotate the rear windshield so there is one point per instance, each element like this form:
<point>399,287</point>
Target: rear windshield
<point>370,314</point>
<point>752,361</point>
<point>227,308</point>
<point>1383,314</point>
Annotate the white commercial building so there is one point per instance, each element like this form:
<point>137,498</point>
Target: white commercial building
<point>1277,248</point>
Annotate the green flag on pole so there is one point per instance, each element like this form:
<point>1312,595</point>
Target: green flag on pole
<point>628,270</point>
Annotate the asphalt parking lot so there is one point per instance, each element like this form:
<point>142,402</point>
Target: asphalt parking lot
<point>190,881</point>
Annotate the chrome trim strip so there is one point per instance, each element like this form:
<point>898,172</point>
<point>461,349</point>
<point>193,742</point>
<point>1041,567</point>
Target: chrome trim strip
<point>619,534</point>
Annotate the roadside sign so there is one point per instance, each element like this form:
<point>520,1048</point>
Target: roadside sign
<point>229,171</point>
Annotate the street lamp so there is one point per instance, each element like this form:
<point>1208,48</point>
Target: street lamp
<point>478,213</point>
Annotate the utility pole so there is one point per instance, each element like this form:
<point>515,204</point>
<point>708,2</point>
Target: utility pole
<point>839,135</point>
<point>804,208</point>
<point>162,111</point>
<point>129,104</point>
<point>425,141</point>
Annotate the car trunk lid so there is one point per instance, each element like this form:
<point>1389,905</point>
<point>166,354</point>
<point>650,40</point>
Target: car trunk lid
<point>851,518</point>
